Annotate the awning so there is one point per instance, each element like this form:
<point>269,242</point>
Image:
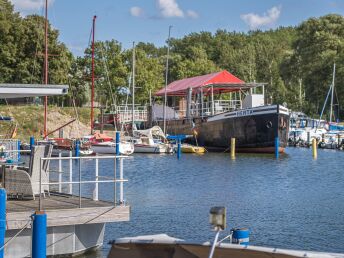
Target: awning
<point>9,90</point>
<point>220,82</point>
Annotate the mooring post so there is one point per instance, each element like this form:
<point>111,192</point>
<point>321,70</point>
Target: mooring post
<point>294,134</point>
<point>179,149</point>
<point>308,139</point>
<point>117,142</point>
<point>233,148</point>
<point>277,147</point>
<point>39,235</point>
<point>338,135</point>
<point>32,142</point>
<point>77,148</point>
<point>2,220</point>
<point>18,148</point>
<point>323,137</point>
<point>314,148</point>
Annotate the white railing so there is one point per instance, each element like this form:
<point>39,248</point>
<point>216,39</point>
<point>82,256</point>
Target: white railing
<point>9,149</point>
<point>209,108</point>
<point>125,113</point>
<point>77,178</point>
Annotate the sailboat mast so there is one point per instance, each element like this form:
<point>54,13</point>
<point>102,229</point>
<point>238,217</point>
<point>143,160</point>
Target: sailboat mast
<point>166,76</point>
<point>133,92</point>
<point>46,68</point>
<point>332,90</point>
<point>92,89</point>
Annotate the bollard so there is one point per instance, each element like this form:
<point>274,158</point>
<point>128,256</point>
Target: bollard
<point>241,236</point>
<point>77,148</point>
<point>233,148</point>
<point>39,235</point>
<point>314,148</point>
<point>294,138</point>
<point>339,142</point>
<point>117,142</point>
<point>2,220</point>
<point>179,149</point>
<point>18,155</point>
<point>277,147</point>
<point>32,142</point>
<point>308,139</point>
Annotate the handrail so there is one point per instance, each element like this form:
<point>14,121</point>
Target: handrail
<point>80,182</point>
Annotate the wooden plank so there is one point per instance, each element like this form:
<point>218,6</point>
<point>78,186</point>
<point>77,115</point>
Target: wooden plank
<point>63,217</point>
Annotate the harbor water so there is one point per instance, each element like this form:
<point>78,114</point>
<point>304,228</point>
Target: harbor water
<point>295,202</point>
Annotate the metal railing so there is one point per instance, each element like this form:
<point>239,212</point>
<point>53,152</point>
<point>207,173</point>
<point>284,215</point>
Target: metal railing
<point>125,113</point>
<point>9,149</point>
<point>118,161</point>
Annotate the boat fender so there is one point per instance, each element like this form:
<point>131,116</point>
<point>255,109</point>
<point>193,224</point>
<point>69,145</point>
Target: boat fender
<point>268,124</point>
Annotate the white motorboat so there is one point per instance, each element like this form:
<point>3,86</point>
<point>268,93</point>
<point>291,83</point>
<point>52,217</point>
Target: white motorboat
<point>152,140</point>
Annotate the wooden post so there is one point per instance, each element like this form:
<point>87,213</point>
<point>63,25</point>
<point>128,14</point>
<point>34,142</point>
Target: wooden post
<point>314,148</point>
<point>233,148</point>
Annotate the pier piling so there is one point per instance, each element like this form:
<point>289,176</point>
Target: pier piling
<point>233,148</point>
<point>117,142</point>
<point>277,147</point>
<point>179,149</point>
<point>77,148</point>
<point>39,235</point>
<point>314,148</point>
<point>32,142</point>
<point>2,220</point>
<point>308,138</point>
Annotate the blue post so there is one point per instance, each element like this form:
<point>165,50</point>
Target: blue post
<point>277,147</point>
<point>241,236</point>
<point>18,155</point>
<point>39,235</point>
<point>179,149</point>
<point>117,143</point>
<point>2,220</point>
<point>77,148</point>
<point>32,142</point>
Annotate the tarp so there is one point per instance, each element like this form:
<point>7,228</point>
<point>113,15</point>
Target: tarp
<point>224,81</point>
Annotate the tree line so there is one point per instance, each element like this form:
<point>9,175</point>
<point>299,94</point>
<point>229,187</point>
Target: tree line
<point>295,62</point>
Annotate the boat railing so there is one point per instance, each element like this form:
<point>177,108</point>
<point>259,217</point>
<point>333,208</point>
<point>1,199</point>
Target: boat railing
<point>208,108</point>
<point>64,173</point>
<point>9,149</point>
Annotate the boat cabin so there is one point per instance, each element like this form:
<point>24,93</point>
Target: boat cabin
<point>208,95</point>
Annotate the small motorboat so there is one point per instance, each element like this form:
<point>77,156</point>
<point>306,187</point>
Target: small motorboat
<point>188,148</point>
<point>125,148</point>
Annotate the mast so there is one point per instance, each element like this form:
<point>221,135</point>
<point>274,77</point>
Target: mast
<point>133,91</point>
<point>92,90</point>
<point>332,90</point>
<point>46,68</point>
<point>166,76</point>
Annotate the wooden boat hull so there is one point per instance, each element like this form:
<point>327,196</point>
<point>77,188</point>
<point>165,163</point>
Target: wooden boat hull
<point>254,129</point>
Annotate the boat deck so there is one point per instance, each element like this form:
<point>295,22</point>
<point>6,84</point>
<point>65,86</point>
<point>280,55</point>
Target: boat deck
<point>64,210</point>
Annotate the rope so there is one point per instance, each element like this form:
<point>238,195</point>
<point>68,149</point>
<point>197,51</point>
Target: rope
<point>10,240</point>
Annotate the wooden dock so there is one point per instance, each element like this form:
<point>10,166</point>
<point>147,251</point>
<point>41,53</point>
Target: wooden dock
<point>63,210</point>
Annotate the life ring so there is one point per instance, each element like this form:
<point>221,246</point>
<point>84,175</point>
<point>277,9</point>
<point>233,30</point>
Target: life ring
<point>268,124</point>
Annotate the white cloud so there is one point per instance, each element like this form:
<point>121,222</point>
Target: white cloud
<point>192,14</point>
<point>136,11</point>
<point>256,21</point>
<point>169,9</point>
<point>29,5</point>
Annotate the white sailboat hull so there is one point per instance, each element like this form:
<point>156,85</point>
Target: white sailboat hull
<point>124,148</point>
<point>158,148</point>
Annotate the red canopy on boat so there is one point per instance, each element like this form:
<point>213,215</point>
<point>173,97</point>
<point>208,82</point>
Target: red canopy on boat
<point>102,137</point>
<point>221,81</point>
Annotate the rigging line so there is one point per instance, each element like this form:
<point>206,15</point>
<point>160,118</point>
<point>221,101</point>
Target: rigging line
<point>107,74</point>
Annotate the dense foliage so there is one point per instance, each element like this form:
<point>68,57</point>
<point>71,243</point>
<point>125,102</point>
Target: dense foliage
<point>295,62</point>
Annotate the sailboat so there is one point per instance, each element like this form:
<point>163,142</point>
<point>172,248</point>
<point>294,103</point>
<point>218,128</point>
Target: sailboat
<point>101,143</point>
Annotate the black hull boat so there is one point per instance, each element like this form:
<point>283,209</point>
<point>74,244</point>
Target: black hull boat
<point>255,129</point>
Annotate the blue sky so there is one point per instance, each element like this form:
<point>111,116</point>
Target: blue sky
<point>148,20</point>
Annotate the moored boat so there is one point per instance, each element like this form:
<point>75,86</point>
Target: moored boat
<point>188,148</point>
<point>242,114</point>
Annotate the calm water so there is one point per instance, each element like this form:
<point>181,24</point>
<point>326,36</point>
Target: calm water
<point>295,202</point>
